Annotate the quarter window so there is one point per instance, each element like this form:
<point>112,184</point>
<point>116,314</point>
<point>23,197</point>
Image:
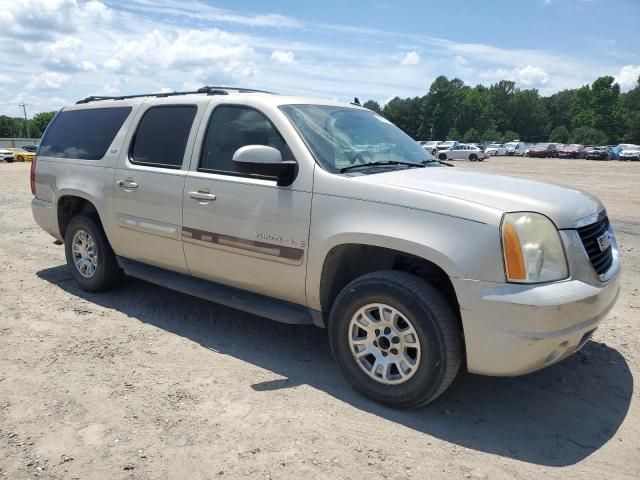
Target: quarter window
<point>232,127</point>
<point>83,134</point>
<point>162,135</point>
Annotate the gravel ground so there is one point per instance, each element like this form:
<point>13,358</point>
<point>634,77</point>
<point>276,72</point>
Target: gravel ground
<point>146,383</point>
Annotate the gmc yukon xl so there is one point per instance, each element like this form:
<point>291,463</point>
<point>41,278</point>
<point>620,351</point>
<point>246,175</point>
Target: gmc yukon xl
<point>315,212</point>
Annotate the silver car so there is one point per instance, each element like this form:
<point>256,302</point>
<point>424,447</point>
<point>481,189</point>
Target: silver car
<point>415,268</point>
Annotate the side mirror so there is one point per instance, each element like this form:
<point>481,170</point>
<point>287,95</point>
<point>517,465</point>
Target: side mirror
<point>266,161</point>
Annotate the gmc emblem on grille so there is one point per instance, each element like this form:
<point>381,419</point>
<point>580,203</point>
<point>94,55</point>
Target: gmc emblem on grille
<point>604,241</point>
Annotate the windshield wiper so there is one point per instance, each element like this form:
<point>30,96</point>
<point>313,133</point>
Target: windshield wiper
<point>377,164</point>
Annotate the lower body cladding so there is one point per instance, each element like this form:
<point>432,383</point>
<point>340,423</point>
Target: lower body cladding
<point>514,329</point>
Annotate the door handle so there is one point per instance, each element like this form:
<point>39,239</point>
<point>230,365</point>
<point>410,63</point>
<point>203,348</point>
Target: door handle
<point>202,196</point>
<point>127,184</point>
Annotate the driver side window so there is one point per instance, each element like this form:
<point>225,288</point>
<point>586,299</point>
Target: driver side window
<point>231,127</point>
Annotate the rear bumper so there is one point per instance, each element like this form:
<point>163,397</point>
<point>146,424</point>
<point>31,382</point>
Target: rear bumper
<point>46,215</point>
<point>513,329</point>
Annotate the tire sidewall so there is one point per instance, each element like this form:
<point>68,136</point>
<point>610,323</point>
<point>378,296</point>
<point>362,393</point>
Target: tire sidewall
<point>83,222</point>
<point>431,368</point>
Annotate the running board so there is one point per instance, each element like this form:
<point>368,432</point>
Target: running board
<point>272,308</point>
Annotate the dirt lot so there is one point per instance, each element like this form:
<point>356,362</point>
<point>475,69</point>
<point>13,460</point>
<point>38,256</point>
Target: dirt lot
<point>147,383</point>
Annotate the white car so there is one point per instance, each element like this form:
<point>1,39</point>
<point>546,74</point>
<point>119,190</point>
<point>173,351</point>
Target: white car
<point>496,149</point>
<point>630,152</point>
<point>447,145</point>
<point>463,152</point>
<point>6,155</point>
<point>431,146</point>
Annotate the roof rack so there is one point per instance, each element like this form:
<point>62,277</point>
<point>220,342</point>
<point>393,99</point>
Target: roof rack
<point>208,90</point>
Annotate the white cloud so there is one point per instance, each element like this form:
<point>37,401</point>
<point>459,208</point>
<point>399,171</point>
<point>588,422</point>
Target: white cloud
<point>62,55</point>
<point>43,19</point>
<point>283,58</point>
<point>528,77</point>
<point>411,58</point>
<point>627,77</point>
<point>48,81</point>
<point>205,53</point>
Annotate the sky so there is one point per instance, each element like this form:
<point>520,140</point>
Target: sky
<point>54,52</point>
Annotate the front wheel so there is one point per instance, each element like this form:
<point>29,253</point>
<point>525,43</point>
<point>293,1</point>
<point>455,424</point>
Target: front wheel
<point>395,338</point>
<point>473,157</point>
<point>90,258</point>
<point>442,156</point>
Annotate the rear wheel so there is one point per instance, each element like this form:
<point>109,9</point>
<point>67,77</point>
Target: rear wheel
<point>395,338</point>
<point>442,156</point>
<point>20,158</point>
<point>473,157</point>
<point>90,258</point>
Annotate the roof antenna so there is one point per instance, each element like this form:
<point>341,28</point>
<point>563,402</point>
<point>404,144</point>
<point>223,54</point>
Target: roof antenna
<point>355,101</point>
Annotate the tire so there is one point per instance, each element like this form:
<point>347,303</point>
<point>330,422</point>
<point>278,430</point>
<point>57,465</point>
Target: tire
<point>433,152</point>
<point>418,305</point>
<point>20,158</point>
<point>106,272</point>
<point>442,156</point>
<point>473,157</point>
<point>9,160</point>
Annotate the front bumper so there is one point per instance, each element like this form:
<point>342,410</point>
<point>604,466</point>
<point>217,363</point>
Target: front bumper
<point>515,329</point>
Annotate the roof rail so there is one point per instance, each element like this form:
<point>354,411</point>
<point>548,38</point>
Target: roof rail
<point>208,90</point>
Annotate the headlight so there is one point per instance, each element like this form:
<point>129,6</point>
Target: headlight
<point>532,249</point>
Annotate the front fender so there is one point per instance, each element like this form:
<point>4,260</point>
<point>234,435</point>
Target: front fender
<point>462,248</point>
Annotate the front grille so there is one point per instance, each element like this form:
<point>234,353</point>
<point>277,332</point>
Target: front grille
<point>601,260</point>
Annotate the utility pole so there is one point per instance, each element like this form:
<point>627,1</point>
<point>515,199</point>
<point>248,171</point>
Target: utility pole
<point>24,109</point>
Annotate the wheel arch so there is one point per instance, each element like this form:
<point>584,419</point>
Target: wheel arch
<point>70,204</point>
<point>348,261</point>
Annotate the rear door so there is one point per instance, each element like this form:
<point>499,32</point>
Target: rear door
<point>149,183</point>
<point>245,230</point>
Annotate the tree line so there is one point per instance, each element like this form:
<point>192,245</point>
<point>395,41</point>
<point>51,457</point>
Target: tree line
<point>595,114</point>
<point>16,127</point>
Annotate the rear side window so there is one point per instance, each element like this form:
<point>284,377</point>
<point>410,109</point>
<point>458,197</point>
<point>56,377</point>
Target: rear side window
<point>162,136</point>
<point>83,134</point>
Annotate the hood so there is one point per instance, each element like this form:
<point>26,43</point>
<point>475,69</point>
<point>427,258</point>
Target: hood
<point>563,205</point>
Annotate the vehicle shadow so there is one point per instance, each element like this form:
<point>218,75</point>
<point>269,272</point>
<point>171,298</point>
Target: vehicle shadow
<point>554,417</point>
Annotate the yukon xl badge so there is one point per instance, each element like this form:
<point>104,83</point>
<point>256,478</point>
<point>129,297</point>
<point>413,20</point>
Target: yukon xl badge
<point>604,241</point>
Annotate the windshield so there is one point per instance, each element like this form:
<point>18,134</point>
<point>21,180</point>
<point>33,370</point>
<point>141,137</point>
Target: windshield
<point>340,137</point>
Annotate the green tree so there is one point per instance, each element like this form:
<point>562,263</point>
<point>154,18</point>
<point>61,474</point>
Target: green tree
<point>453,134</point>
<point>559,134</point>
<point>491,135</point>
<point>405,113</point>
<point>373,105</point>
<point>39,123</point>
<point>471,136</point>
<point>588,136</point>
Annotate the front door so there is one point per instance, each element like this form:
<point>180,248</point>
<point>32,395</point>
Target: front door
<point>149,184</point>
<point>244,230</point>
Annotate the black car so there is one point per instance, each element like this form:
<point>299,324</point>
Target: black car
<point>599,153</point>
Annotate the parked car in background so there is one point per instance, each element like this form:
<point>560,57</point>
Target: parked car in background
<point>447,145</point>
<point>6,155</point>
<point>22,155</point>
<point>496,149</point>
<point>544,150</point>
<point>463,151</point>
<point>618,148</point>
<point>630,152</point>
<point>573,150</point>
<point>30,148</point>
<point>598,153</point>
<point>515,148</point>
<point>431,146</point>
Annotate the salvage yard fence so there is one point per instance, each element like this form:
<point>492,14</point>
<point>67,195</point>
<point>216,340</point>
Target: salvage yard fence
<point>18,142</point>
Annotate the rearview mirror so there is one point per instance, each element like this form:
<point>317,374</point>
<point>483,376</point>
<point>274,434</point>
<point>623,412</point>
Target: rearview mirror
<point>266,161</point>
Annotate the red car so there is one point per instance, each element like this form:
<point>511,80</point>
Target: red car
<point>572,151</point>
<point>544,150</point>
